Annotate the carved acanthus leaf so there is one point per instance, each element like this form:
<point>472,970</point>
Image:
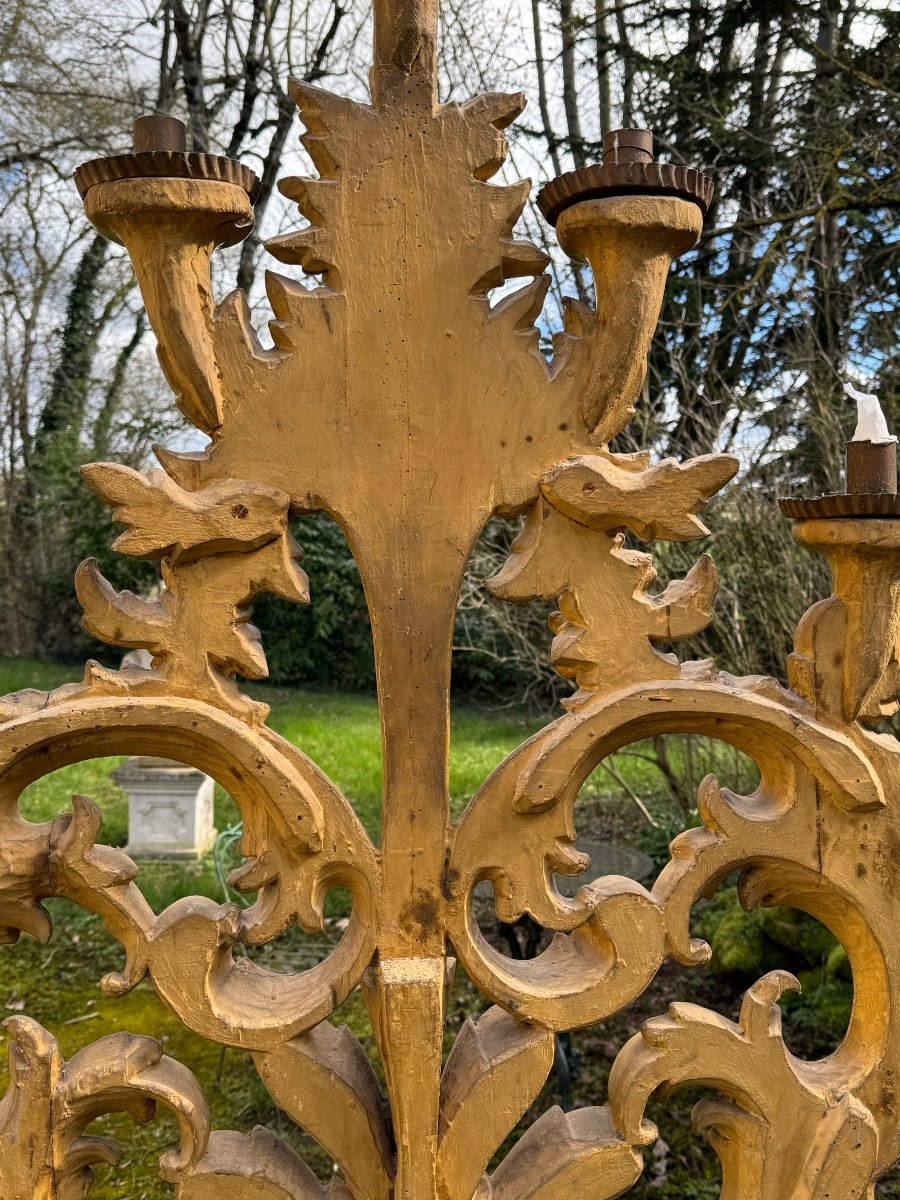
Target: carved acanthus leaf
<point>50,1103</point>
<point>608,620</point>
<point>221,546</point>
<point>495,1070</point>
<point>330,202</point>
<point>571,548</point>
<point>324,1082</point>
<point>762,1153</point>
<point>44,1151</point>
<point>568,1154</point>
<point>198,630</point>
<point>165,520</point>
<point>606,492</point>
<point>238,1166</point>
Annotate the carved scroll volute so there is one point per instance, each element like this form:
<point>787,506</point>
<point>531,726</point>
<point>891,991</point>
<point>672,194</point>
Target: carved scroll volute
<point>45,1153</point>
<point>779,1130</point>
<point>630,242</point>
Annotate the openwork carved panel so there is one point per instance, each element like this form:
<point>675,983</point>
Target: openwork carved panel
<point>394,397</point>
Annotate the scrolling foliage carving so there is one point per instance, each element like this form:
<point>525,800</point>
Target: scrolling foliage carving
<point>396,398</point>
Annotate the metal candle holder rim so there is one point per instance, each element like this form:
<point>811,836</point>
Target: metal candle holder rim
<point>882,505</point>
<point>622,179</point>
<point>166,164</point>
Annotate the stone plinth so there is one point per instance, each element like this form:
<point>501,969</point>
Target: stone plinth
<point>170,808</point>
<point>607,858</point>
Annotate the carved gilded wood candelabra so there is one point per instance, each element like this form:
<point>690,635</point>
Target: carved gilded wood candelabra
<point>395,398</point>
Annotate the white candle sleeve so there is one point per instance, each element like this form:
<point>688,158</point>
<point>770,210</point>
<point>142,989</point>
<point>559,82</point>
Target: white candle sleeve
<point>871,425</point>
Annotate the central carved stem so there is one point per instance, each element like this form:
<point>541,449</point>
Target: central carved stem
<point>405,39</point>
<point>412,593</point>
<point>412,590</point>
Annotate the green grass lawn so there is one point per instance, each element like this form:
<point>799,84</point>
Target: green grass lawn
<point>340,733</point>
<point>337,731</point>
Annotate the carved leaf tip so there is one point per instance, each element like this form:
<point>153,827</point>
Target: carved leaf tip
<point>495,1070</point>
<point>499,109</point>
<point>607,613</point>
<point>566,1154</point>
<point>324,1082</point>
<point>73,847</point>
<point>164,519</point>
<point>186,467</point>
<point>328,120</point>
<point>118,618</point>
<point>485,117</point>
<point>309,248</point>
<point>606,492</point>
<point>685,605</point>
<point>51,1102</point>
<point>259,1164</point>
<point>522,307</point>
<point>314,197</point>
<point>760,1014</point>
<point>221,545</point>
<point>299,312</point>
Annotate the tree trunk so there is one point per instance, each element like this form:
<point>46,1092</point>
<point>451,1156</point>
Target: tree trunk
<point>64,411</point>
<point>570,83</point>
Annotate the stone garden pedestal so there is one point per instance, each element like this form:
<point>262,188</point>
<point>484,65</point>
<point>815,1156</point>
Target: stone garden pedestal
<point>170,808</point>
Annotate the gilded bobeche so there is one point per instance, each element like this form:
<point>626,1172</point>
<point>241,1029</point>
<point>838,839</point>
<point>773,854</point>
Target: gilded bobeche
<point>396,398</point>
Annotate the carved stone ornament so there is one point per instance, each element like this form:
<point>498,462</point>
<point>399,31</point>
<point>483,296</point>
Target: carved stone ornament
<point>397,399</point>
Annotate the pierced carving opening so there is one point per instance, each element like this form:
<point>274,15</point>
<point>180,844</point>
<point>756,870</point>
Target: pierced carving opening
<point>51,795</point>
<point>679,1143</point>
<point>521,939</point>
<point>296,950</point>
<point>337,617</point>
<point>178,825</point>
<point>493,642</point>
<point>665,773</point>
<point>747,945</point>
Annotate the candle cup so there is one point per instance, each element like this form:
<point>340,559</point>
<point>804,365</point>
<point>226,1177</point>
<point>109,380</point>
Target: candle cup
<point>870,472</point>
<point>872,468</point>
<point>628,145</point>
<point>628,169</point>
<point>159,132</point>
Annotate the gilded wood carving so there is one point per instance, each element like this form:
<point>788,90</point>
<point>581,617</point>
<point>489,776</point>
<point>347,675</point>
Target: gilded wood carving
<point>396,398</point>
